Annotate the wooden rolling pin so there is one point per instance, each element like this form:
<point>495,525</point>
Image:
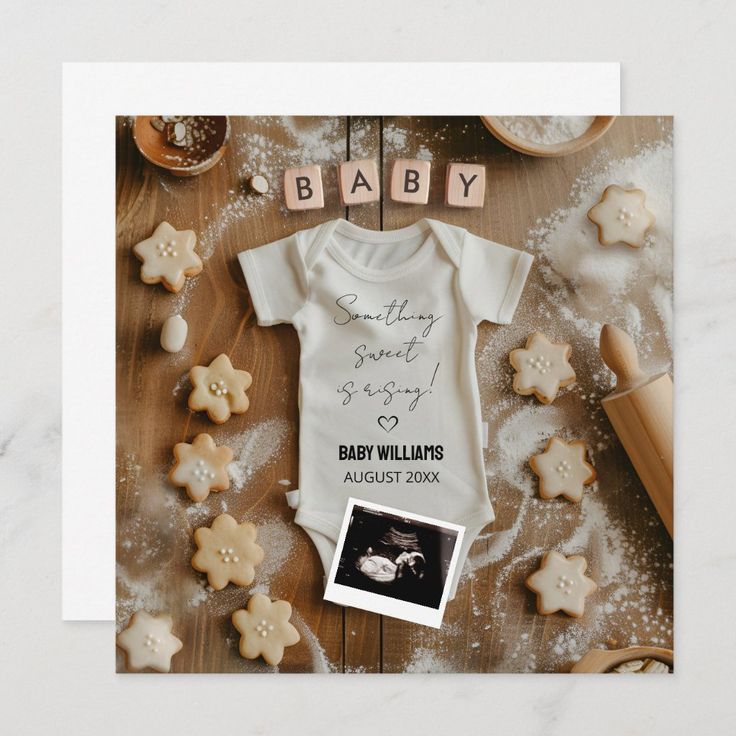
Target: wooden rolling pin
<point>640,410</point>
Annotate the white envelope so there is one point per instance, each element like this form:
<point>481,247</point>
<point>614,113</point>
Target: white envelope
<point>93,94</point>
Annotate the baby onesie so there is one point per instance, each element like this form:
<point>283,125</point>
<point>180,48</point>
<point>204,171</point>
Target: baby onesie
<point>388,394</point>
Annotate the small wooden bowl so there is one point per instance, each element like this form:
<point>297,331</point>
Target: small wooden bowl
<point>155,148</point>
<point>603,660</point>
<point>600,124</point>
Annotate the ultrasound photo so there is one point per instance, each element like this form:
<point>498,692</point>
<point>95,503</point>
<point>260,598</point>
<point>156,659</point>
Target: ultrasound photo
<point>392,555</point>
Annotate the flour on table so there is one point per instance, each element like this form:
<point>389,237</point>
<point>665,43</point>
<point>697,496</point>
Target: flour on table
<point>630,569</point>
<point>277,539</point>
<point>548,129</point>
<point>320,661</point>
<point>427,660</point>
<point>136,594</point>
<point>255,448</point>
<point>577,269</point>
<point>420,142</point>
<point>519,437</point>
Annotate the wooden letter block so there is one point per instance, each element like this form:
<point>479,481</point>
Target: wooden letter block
<point>410,181</point>
<point>358,182</point>
<point>465,185</point>
<point>303,188</point>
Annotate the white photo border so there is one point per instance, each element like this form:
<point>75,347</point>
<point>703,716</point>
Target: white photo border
<point>383,604</point>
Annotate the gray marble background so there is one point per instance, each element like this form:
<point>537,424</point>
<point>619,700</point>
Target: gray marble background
<point>677,58</point>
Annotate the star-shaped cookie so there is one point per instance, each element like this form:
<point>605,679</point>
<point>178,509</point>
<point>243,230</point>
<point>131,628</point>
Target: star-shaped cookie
<point>542,367</point>
<point>561,585</point>
<point>219,389</point>
<point>621,216</point>
<point>563,469</point>
<point>265,629</point>
<point>201,467</point>
<point>148,642</point>
<point>227,552</point>
<point>168,257</point>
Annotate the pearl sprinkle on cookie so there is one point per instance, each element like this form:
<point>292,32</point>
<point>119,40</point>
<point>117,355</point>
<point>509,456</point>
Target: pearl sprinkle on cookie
<point>540,363</point>
<point>219,388</point>
<point>167,249</point>
<point>264,627</point>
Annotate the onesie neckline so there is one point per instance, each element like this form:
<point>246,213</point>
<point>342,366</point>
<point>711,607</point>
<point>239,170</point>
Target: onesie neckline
<point>381,236</point>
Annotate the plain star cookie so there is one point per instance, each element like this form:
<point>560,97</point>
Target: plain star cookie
<point>219,389</point>
<point>265,629</point>
<point>621,217</point>
<point>563,469</point>
<point>148,642</point>
<point>542,368</point>
<point>168,257</point>
<point>227,552</point>
<point>201,467</point>
<point>561,585</point>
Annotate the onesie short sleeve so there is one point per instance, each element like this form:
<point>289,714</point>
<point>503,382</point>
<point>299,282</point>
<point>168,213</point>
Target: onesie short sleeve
<point>492,277</point>
<point>276,275</point>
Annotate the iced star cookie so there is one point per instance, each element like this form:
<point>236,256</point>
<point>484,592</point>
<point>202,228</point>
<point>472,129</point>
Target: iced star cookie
<point>561,585</point>
<point>219,389</point>
<point>148,642</point>
<point>542,368</point>
<point>227,552</point>
<point>265,629</point>
<point>621,216</point>
<point>168,257</point>
<point>563,469</point>
<point>201,467</point>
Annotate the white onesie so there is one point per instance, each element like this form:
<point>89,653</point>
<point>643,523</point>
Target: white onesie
<point>388,394</point>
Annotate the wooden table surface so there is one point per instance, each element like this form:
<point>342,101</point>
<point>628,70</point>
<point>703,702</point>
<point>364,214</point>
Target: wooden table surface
<point>492,624</point>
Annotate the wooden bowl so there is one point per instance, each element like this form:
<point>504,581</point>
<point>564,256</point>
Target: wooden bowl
<point>600,124</point>
<point>603,660</point>
<point>154,146</point>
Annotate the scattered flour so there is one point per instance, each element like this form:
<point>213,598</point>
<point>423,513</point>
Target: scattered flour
<point>548,129</point>
<point>136,595</point>
<point>577,269</point>
<point>182,385</point>
<point>427,660</point>
<point>278,537</point>
<point>522,435</point>
<point>320,662</point>
<point>599,539</point>
<point>255,448</point>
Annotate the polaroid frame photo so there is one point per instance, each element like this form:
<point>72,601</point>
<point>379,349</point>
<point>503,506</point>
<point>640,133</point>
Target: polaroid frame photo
<point>357,579</point>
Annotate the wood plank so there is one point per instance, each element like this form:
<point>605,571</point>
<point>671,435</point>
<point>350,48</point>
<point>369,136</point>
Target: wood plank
<point>155,521</point>
<point>362,628</point>
<point>492,624</point>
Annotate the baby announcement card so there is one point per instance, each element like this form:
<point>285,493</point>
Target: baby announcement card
<point>394,394</point>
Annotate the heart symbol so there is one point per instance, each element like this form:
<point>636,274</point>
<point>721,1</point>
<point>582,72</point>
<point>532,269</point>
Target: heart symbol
<point>387,423</point>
